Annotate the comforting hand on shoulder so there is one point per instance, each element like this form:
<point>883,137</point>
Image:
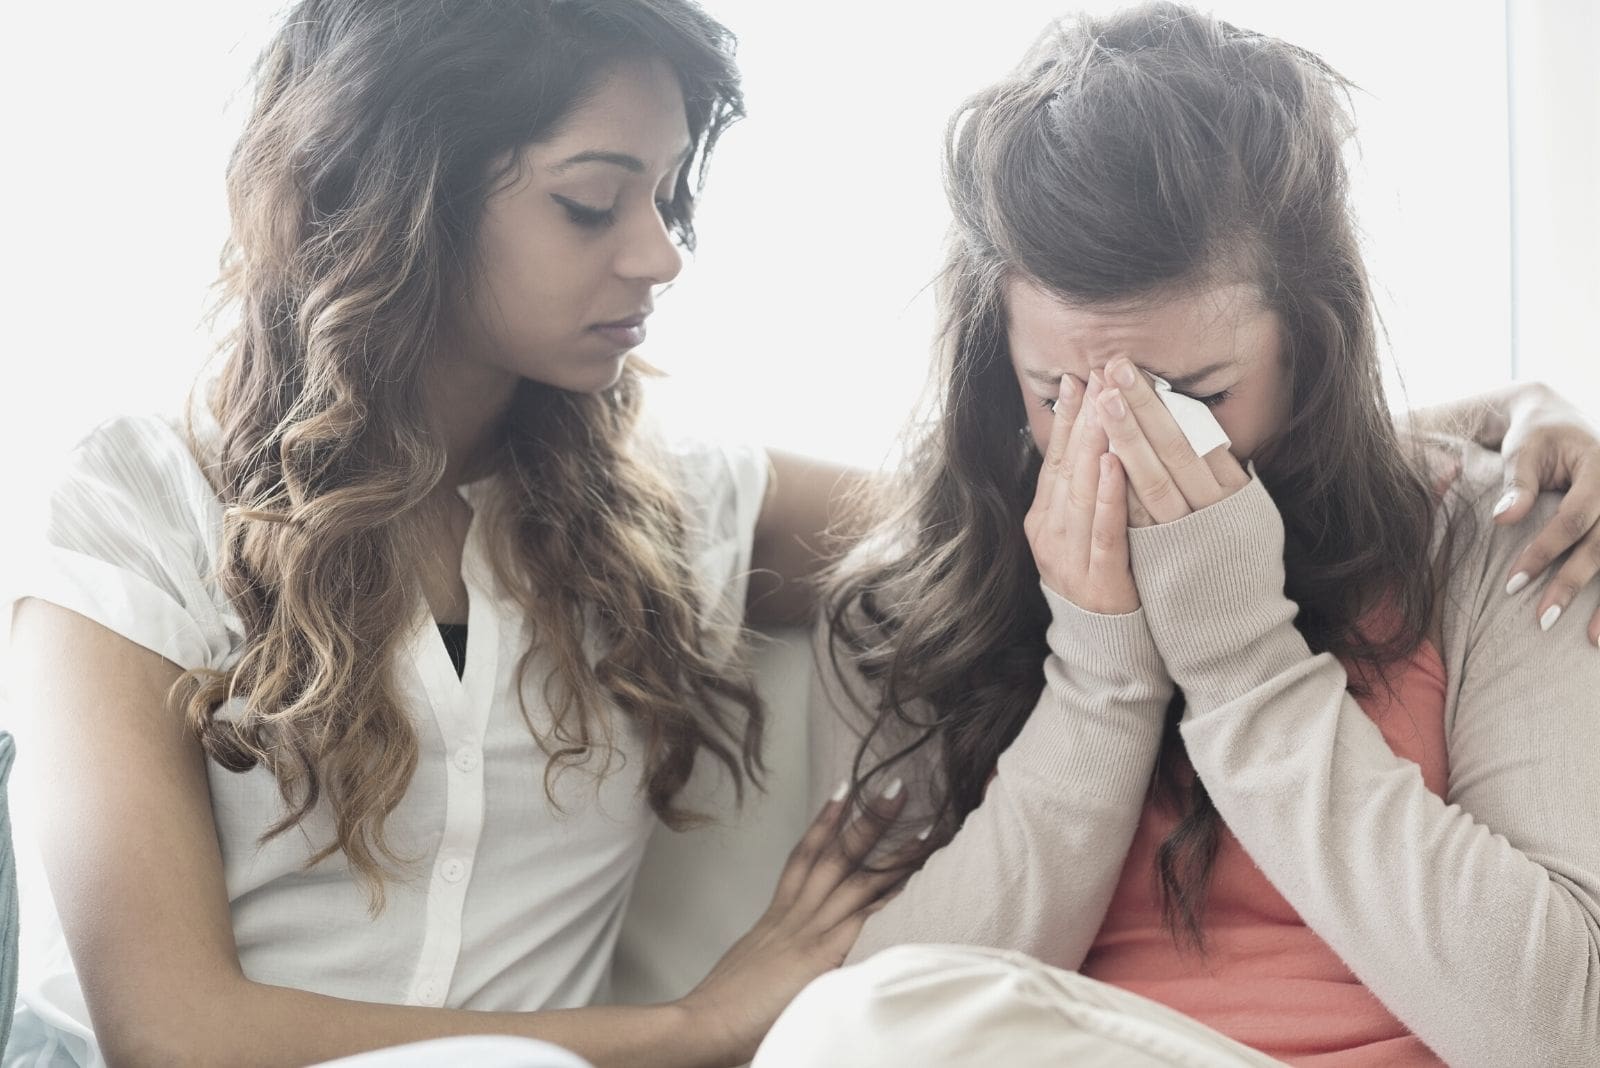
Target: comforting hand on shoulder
<point>1549,445</point>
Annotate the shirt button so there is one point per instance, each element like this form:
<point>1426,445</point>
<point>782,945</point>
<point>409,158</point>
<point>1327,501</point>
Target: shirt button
<point>453,870</point>
<point>428,993</point>
<point>467,758</point>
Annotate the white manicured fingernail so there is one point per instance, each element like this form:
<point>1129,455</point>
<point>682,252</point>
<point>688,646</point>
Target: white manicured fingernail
<point>1505,503</point>
<point>922,835</point>
<point>1550,616</point>
<point>842,792</point>
<point>892,791</point>
<point>1519,580</point>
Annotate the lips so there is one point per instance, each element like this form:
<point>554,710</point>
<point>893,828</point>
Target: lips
<point>625,333</point>
<point>636,319</point>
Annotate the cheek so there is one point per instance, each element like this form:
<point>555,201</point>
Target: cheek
<point>1252,419</point>
<point>531,267</point>
<point>1240,429</point>
<point>1040,420</point>
<point>514,276</point>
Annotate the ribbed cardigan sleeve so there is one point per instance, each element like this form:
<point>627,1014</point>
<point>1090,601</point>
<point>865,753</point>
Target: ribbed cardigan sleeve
<point>1474,917</point>
<point>1033,867</point>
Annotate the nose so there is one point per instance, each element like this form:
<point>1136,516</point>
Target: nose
<point>648,252</point>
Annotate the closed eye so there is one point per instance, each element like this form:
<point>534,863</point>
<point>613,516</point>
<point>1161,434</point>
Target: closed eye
<point>1214,399</point>
<point>585,216</point>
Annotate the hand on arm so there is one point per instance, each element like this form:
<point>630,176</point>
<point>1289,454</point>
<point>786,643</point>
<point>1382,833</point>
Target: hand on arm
<point>136,870</point>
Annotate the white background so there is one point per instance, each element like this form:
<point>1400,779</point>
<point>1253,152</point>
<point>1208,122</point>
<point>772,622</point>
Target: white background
<point>804,321</point>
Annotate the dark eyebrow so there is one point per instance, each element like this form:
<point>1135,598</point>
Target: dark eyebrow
<point>631,164</point>
<point>1184,383</point>
<point>628,163</point>
<point>1044,378</point>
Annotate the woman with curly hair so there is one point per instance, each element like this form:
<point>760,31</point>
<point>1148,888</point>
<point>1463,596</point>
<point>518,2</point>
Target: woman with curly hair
<point>359,691</point>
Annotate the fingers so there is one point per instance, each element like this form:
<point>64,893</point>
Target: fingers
<point>1521,482</point>
<point>824,827</point>
<point>1579,570</point>
<point>1110,576</point>
<point>870,889</point>
<point>1069,400</point>
<point>861,892</point>
<point>1072,508</point>
<point>1138,514</point>
<point>1150,417</point>
<point>839,858</point>
<point>1066,413</point>
<point>1570,527</point>
<point>1078,517</point>
<point>1155,484</point>
<point>1574,530</point>
<point>1227,470</point>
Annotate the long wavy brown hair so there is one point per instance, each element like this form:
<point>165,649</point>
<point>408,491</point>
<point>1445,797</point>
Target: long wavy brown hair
<point>1131,156</point>
<point>378,130</point>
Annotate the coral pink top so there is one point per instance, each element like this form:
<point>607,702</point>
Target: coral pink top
<point>1267,980</point>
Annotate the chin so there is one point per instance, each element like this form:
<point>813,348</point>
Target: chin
<point>589,376</point>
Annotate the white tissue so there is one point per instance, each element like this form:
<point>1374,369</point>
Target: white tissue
<point>1193,418</point>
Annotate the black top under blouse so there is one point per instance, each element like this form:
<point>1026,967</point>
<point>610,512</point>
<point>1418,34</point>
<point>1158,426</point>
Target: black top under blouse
<point>455,643</point>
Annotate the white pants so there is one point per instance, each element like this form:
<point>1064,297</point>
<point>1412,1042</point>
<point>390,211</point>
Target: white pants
<point>948,1006</point>
<point>477,1051</point>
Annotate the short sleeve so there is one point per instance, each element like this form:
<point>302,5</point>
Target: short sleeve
<point>723,486</point>
<point>127,537</point>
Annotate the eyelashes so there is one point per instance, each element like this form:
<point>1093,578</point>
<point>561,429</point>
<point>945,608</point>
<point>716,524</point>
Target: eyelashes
<point>584,216</point>
<point>587,218</point>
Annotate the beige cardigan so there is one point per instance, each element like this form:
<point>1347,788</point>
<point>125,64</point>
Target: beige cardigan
<point>1475,919</point>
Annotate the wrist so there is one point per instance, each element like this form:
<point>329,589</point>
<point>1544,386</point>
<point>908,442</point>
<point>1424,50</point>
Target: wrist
<point>704,1035</point>
<point>1112,650</point>
<point>1213,587</point>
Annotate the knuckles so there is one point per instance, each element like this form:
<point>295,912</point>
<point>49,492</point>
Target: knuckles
<point>1575,523</point>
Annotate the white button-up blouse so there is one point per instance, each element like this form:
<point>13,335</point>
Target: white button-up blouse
<point>508,902</point>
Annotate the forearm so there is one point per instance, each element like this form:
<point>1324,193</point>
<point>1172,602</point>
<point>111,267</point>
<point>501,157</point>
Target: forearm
<point>1033,867</point>
<point>261,1026</point>
<point>1476,922</point>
